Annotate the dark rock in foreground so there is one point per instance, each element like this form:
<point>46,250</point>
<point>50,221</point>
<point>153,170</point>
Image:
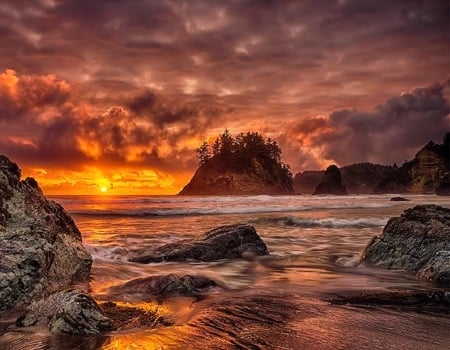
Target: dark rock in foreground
<point>67,312</point>
<point>40,245</point>
<point>417,241</point>
<point>399,199</point>
<point>331,182</point>
<point>164,286</point>
<point>225,242</point>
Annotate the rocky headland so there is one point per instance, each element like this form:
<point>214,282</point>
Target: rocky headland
<point>427,173</point>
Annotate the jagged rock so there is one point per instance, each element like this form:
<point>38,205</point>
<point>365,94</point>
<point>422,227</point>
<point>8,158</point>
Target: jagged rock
<point>225,242</point>
<point>331,182</point>
<point>40,246</point>
<point>399,199</point>
<point>417,241</point>
<point>67,312</point>
<point>164,286</point>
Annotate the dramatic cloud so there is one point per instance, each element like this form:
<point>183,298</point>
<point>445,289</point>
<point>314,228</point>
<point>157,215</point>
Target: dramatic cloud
<point>90,86</point>
<point>393,132</point>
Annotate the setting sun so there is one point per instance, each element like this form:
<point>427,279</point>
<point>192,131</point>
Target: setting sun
<point>104,189</point>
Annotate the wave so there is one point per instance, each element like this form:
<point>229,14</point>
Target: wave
<point>155,212</point>
<point>326,223</point>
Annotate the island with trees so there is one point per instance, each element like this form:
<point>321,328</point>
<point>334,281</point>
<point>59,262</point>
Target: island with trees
<point>241,165</point>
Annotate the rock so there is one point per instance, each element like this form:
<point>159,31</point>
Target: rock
<point>245,165</point>
<point>399,199</point>
<point>331,182</point>
<point>225,242</point>
<point>164,286</point>
<point>420,175</point>
<point>417,241</point>
<point>67,312</point>
<point>40,246</point>
<point>443,187</point>
<point>357,178</point>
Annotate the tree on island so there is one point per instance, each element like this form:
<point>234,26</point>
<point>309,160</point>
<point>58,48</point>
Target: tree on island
<point>238,153</point>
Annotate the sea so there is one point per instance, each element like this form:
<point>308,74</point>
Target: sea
<point>281,301</point>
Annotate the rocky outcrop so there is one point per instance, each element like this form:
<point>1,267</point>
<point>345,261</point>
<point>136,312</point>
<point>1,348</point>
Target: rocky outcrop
<point>247,164</point>
<point>417,241</point>
<point>423,174</point>
<point>225,242</point>
<point>163,286</point>
<point>40,246</point>
<point>331,182</point>
<point>219,178</point>
<point>67,312</point>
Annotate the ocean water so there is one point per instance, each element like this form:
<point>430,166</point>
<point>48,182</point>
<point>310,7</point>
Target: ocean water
<point>315,243</point>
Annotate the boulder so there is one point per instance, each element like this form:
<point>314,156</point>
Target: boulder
<point>67,312</point>
<point>331,182</point>
<point>224,242</point>
<point>40,246</point>
<point>164,286</point>
<point>417,241</point>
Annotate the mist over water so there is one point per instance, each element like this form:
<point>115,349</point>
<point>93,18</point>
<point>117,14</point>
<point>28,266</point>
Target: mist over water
<point>315,245</point>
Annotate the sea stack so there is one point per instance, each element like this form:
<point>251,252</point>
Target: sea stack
<point>40,246</point>
<point>331,182</point>
<point>245,165</point>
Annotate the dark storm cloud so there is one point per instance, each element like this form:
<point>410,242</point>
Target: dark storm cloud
<point>393,132</point>
<point>208,64</point>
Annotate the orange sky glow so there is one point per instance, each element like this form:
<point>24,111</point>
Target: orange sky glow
<point>113,98</point>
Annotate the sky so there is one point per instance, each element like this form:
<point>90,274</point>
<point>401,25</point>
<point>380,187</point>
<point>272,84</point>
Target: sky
<point>116,95</point>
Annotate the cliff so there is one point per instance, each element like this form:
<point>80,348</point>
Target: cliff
<point>331,182</point>
<point>245,165</point>
<point>219,177</point>
<point>423,174</point>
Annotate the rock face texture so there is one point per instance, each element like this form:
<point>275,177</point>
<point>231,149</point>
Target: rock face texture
<point>331,182</point>
<point>225,242</point>
<point>417,241</point>
<point>67,312</point>
<point>164,286</point>
<point>40,245</point>
<point>221,178</point>
<point>423,174</point>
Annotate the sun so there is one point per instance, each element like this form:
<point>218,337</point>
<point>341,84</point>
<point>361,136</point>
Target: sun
<point>104,189</point>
